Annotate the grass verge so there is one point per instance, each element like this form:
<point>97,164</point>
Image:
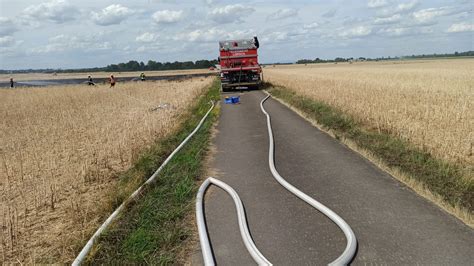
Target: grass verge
<point>155,228</point>
<point>446,181</point>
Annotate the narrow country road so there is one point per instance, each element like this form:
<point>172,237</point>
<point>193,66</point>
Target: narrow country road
<point>392,223</point>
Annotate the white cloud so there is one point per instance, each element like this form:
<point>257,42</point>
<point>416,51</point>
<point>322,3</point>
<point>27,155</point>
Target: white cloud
<point>159,47</point>
<point>8,51</point>
<point>146,37</point>
<point>240,34</point>
<point>111,15</point>
<point>429,14</point>
<point>404,31</point>
<point>213,35</point>
<point>63,42</point>
<point>310,26</point>
<point>7,26</point>
<point>377,3</point>
<point>7,41</point>
<point>401,8</point>
<point>57,11</point>
<point>62,38</point>
<point>329,14</point>
<point>205,35</point>
<point>352,20</point>
<point>395,31</point>
<point>167,16</point>
<point>388,20</point>
<point>282,14</point>
<point>461,27</point>
<point>356,32</point>
<point>276,36</point>
<point>405,7</point>
<point>230,13</point>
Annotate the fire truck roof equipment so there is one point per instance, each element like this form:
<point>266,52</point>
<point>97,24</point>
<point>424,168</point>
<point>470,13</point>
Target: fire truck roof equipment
<point>237,44</point>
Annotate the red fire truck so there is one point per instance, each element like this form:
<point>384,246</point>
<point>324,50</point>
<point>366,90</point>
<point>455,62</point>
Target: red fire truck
<point>239,64</point>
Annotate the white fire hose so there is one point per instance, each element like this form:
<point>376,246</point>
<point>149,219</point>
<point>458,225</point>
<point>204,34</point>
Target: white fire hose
<point>244,230</point>
<point>349,252</point>
<point>85,250</point>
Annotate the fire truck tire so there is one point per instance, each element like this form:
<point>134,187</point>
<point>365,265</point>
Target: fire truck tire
<point>224,89</point>
<point>254,87</point>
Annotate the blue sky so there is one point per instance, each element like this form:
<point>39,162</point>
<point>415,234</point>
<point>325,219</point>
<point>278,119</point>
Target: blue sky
<point>88,33</point>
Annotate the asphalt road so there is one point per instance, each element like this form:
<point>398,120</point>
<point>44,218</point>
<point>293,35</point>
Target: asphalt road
<point>393,224</point>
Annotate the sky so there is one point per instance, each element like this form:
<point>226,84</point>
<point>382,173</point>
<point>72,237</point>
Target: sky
<point>94,33</point>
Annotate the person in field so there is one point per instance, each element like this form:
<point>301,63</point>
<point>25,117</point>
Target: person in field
<point>89,81</point>
<point>12,83</point>
<point>112,81</point>
<point>142,76</point>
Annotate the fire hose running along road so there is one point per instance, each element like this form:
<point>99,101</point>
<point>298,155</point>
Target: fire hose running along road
<point>346,256</point>
<point>82,255</point>
<point>393,224</point>
<point>344,259</point>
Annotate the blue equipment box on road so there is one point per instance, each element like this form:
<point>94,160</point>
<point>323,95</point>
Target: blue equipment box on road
<point>232,100</point>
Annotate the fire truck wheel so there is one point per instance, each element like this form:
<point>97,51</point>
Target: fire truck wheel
<point>224,89</point>
<point>254,87</point>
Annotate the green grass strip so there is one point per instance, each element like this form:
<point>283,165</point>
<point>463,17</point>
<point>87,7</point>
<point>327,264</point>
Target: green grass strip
<point>442,178</point>
<point>153,230</point>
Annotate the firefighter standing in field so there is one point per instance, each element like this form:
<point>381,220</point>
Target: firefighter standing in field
<point>112,81</point>
<point>142,76</point>
<point>89,81</point>
<point>12,83</point>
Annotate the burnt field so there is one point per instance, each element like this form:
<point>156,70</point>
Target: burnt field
<point>40,79</point>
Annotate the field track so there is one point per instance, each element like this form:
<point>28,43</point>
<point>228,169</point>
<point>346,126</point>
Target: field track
<point>392,223</point>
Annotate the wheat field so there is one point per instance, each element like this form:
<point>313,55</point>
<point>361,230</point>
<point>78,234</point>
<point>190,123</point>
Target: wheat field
<point>429,103</point>
<point>61,150</point>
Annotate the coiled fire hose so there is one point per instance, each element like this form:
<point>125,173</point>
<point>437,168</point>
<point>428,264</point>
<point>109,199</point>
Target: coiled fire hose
<point>244,230</point>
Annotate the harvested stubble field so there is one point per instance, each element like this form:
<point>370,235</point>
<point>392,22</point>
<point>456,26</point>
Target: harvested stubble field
<point>429,103</point>
<point>61,151</point>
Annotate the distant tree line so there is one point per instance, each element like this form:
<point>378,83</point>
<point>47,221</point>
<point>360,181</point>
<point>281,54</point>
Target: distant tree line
<point>131,65</point>
<point>318,60</point>
<point>340,59</point>
<point>455,54</point>
<point>152,65</point>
